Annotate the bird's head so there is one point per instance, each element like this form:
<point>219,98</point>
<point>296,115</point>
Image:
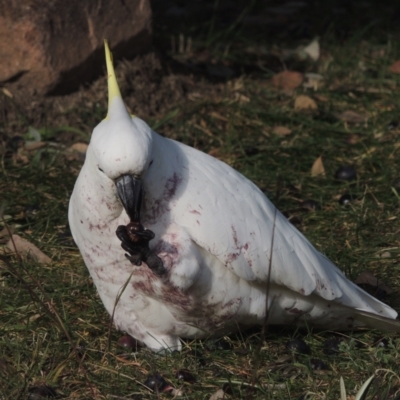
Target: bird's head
<point>121,147</point>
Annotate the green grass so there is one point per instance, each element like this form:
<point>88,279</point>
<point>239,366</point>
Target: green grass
<point>41,306</point>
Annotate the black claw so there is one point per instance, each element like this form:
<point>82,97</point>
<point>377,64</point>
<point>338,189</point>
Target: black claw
<point>146,235</point>
<point>122,233</point>
<point>155,264</point>
<point>135,260</point>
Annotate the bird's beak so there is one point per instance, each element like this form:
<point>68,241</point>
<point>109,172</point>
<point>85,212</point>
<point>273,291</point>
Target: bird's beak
<point>130,192</point>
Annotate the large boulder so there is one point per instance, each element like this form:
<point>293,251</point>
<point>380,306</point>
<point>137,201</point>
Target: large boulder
<point>54,46</point>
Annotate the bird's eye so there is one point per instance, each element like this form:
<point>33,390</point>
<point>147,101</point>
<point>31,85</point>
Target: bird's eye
<point>151,162</point>
<point>100,169</point>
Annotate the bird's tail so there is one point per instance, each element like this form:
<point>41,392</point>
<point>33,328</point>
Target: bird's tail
<point>378,322</point>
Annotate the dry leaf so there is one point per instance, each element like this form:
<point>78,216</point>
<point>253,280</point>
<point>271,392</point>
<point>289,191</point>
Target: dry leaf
<point>303,102</point>
<point>395,67</point>
<point>219,394</point>
<point>34,145</point>
<point>281,130</point>
<point>79,147</point>
<point>26,248</point>
<point>287,80</point>
<point>352,117</point>
<point>368,278</point>
<point>318,167</point>
<point>7,93</point>
<point>313,50</point>
<point>218,116</point>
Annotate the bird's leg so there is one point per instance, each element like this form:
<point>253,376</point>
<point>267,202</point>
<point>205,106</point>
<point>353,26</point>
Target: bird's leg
<point>135,240</point>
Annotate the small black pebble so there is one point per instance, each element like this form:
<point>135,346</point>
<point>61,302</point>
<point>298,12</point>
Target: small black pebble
<point>185,375</point>
<point>382,343</point>
<point>331,346</point>
<point>43,391</point>
<point>128,342</point>
<point>318,365</point>
<point>310,205</point>
<point>392,125</point>
<point>155,382</point>
<point>345,199</point>
<point>219,344</point>
<point>346,173</point>
<point>298,346</point>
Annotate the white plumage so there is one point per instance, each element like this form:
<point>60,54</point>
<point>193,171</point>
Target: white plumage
<point>213,231</point>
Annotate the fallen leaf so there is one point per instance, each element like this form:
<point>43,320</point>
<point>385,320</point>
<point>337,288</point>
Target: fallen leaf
<point>79,147</point>
<point>281,130</point>
<point>26,248</point>
<point>395,67</point>
<point>368,278</point>
<point>318,167</point>
<point>30,146</point>
<point>219,394</point>
<point>287,80</point>
<point>352,117</point>
<point>7,93</point>
<point>313,50</point>
<point>303,102</point>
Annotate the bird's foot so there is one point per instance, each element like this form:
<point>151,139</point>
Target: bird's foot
<point>137,245</point>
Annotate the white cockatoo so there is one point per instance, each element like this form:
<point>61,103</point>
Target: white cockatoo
<point>197,256</point>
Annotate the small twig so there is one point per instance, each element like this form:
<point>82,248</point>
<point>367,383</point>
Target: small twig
<point>117,299</point>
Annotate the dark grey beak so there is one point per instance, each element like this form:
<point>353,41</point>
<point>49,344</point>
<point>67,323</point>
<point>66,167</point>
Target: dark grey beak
<point>130,193</point>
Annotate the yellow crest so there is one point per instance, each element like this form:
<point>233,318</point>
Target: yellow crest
<point>113,88</point>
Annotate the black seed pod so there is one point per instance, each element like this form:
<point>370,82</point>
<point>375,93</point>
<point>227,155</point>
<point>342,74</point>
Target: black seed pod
<point>128,342</point>
<point>310,205</point>
<point>155,382</point>
<point>346,173</point>
<point>345,199</point>
<point>185,375</point>
<point>42,391</point>
<point>298,346</point>
<point>318,365</point>
<point>382,343</point>
<point>331,346</point>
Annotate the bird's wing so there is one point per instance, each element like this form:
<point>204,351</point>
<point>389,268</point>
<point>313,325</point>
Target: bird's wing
<point>231,218</point>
